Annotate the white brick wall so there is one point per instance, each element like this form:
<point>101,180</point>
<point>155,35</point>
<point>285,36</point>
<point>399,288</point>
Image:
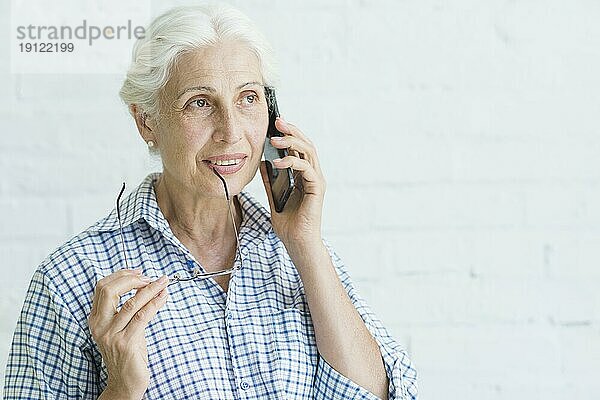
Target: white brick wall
<point>460,141</point>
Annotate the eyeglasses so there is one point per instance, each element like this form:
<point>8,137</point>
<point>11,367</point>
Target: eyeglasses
<point>197,272</point>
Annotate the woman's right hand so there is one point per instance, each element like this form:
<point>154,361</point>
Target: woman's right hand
<point>119,334</point>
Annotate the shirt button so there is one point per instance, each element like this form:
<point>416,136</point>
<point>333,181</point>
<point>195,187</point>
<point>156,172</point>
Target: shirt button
<point>245,385</point>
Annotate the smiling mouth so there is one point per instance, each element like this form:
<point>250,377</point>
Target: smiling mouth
<point>226,162</point>
<point>226,166</point>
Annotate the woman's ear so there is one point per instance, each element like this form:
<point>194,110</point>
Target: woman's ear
<point>144,123</point>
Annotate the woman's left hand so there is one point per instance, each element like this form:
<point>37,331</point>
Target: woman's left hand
<point>299,224</point>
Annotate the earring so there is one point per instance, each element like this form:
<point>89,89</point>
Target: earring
<point>150,144</point>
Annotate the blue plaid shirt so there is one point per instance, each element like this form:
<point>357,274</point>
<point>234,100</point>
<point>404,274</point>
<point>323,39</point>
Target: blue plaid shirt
<point>254,342</point>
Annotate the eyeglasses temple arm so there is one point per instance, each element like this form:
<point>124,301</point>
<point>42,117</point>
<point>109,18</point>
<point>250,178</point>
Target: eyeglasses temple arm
<point>230,210</point>
<point>121,225</point>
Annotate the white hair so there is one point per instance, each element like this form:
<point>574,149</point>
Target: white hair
<point>180,30</point>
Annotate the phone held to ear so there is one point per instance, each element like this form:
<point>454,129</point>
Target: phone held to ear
<point>281,180</point>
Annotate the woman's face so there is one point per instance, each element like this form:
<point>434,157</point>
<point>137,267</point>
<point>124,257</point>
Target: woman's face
<point>213,108</point>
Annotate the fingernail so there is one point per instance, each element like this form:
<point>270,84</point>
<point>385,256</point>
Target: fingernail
<point>137,271</point>
<point>277,138</point>
<point>146,279</point>
<point>163,279</point>
<point>282,120</point>
<point>277,160</point>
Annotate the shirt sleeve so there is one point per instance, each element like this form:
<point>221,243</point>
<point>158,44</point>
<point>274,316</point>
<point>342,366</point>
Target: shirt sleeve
<point>402,376</point>
<point>48,359</point>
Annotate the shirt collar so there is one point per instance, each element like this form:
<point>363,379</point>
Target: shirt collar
<point>141,204</point>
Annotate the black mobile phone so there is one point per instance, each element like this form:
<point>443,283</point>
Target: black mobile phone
<point>281,180</point>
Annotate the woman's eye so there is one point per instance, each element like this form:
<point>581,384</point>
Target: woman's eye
<point>250,98</point>
<point>198,103</point>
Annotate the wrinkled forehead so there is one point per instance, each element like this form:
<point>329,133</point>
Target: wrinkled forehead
<point>223,67</point>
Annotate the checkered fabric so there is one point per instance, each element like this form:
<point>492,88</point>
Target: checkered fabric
<point>255,342</point>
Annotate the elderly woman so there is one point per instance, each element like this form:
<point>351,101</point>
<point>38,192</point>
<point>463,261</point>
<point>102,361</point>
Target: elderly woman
<point>190,288</point>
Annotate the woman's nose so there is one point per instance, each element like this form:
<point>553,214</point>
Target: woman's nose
<point>227,130</point>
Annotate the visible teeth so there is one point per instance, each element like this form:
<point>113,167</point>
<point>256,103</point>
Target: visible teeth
<point>227,162</point>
